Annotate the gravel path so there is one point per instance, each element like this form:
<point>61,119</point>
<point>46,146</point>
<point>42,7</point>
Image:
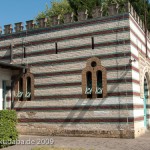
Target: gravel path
<point>141,143</point>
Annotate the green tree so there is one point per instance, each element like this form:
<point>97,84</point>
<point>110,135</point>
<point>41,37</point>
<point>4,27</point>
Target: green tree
<point>139,8</point>
<point>65,6</point>
<point>78,5</point>
<point>57,8</point>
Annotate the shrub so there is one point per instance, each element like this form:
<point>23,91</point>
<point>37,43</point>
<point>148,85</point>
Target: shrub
<point>8,131</point>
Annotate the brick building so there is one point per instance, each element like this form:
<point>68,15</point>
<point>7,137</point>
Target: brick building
<point>85,78</point>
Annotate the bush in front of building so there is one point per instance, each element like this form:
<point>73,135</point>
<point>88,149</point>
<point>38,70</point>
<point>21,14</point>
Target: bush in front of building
<point>8,131</point>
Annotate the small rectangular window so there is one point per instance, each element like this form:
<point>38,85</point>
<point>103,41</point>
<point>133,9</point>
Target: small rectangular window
<point>11,53</point>
<point>56,48</point>
<point>92,42</point>
<point>24,52</point>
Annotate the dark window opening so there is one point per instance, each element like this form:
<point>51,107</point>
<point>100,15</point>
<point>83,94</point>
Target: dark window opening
<point>56,47</point>
<point>24,52</point>
<point>99,87</point>
<point>28,91</point>
<point>11,53</point>
<point>89,85</point>
<point>93,46</point>
<point>20,93</point>
<point>93,64</point>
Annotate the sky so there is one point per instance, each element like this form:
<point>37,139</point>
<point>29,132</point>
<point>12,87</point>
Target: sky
<point>13,11</point>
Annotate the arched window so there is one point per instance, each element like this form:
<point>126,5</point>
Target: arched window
<point>94,79</point>
<point>99,86</point>
<point>28,88</point>
<point>89,84</point>
<point>24,88</point>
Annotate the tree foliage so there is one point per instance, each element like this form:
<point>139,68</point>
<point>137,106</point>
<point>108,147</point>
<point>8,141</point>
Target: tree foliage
<point>57,8</point>
<point>66,6</point>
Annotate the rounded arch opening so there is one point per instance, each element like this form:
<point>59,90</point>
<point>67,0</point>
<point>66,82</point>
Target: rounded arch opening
<point>146,100</point>
<point>20,89</point>
<point>89,84</point>
<point>99,87</point>
<point>28,88</point>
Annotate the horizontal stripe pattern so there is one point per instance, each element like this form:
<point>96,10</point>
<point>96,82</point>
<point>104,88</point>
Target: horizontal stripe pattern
<point>81,108</point>
<point>78,96</point>
<point>80,120</point>
<point>123,80</point>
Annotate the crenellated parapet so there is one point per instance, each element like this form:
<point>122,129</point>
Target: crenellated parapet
<point>30,25</point>
<point>83,15</point>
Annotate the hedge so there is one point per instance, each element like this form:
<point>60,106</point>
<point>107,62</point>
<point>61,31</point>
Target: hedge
<point>8,131</point>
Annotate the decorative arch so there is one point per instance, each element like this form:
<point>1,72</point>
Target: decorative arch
<point>145,73</point>
<point>94,66</point>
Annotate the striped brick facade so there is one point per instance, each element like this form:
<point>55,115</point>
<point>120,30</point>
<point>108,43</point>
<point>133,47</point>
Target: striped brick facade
<point>58,107</point>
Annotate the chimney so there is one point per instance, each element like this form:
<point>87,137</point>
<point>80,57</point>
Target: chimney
<point>30,25</point>
<point>19,27</point>
<point>42,22</point>
<point>8,29</point>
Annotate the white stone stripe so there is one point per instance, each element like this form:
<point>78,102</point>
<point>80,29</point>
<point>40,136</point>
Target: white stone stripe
<point>78,90</point>
<point>77,78</point>
<point>134,51</point>
<point>136,30</point>
<point>137,43</point>
<point>139,31</point>
<point>138,125</point>
<point>136,87</point>
<point>138,113</point>
<point>77,102</point>
<point>79,114</point>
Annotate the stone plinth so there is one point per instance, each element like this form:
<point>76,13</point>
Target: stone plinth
<point>42,22</point>
<point>19,27</point>
<point>8,29</point>
<point>30,25</point>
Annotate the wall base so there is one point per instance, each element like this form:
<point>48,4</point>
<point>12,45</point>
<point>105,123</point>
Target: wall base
<point>40,131</point>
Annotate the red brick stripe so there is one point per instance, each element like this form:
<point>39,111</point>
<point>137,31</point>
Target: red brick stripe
<point>81,120</point>
<point>83,108</point>
<point>77,120</point>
